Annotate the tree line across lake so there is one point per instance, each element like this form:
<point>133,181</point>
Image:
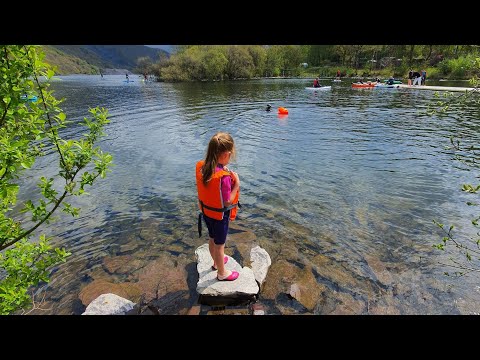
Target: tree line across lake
<point>229,62</point>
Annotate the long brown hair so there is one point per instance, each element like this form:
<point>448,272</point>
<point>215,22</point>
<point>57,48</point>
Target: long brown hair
<point>219,143</point>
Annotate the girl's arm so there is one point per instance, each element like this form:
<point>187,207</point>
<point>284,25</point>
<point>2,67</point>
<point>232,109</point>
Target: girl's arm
<point>235,188</point>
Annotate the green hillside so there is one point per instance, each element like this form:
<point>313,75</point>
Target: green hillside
<point>67,64</point>
<point>89,59</point>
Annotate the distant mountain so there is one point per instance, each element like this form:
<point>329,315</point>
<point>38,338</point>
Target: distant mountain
<point>99,56</point>
<point>167,48</point>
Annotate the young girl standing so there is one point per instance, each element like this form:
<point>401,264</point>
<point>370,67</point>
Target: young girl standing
<point>218,191</point>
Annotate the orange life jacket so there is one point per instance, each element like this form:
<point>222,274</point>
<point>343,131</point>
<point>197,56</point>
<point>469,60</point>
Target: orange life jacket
<point>210,198</point>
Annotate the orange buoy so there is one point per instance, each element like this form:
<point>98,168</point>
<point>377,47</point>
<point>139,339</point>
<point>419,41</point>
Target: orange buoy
<point>282,110</point>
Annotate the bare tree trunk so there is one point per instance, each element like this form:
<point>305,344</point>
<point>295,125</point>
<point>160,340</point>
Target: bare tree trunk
<point>429,52</point>
<point>410,56</point>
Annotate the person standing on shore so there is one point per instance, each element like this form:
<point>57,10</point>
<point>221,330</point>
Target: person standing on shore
<point>410,77</point>
<point>424,77</point>
<point>418,78</point>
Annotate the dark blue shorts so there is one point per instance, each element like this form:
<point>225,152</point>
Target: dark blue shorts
<point>218,229</point>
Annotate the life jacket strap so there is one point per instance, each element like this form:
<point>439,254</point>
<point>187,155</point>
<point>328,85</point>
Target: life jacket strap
<point>224,209</point>
<point>200,225</point>
<point>212,209</point>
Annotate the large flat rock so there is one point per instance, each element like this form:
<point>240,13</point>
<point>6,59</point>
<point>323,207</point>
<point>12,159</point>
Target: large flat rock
<point>215,292</point>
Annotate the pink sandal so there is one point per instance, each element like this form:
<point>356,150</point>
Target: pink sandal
<point>233,276</point>
<point>225,260</point>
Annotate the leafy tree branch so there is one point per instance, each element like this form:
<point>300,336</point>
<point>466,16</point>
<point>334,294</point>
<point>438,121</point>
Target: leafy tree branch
<point>468,247</point>
<point>30,123</point>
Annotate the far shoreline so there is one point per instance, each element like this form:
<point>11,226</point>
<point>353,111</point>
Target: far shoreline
<point>346,78</point>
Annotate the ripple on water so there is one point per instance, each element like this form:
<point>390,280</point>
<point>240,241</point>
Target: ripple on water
<point>342,191</point>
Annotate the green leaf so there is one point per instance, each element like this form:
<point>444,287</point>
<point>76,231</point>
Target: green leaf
<point>24,136</point>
